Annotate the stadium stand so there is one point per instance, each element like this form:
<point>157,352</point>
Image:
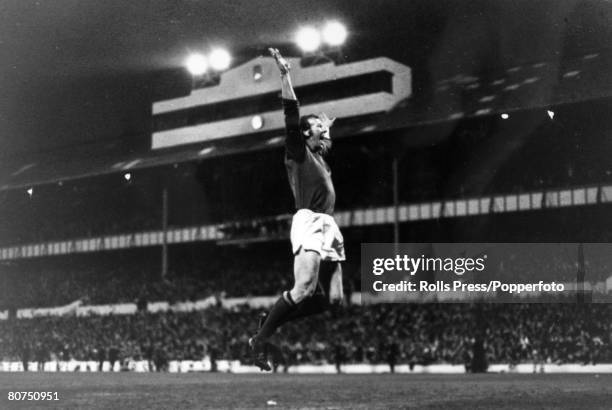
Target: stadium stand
<point>424,333</point>
<point>197,271</point>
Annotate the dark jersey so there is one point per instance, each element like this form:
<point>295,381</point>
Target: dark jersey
<point>309,175</point>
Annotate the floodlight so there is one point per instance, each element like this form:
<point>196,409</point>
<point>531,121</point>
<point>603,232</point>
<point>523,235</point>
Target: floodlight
<point>196,64</point>
<point>308,39</point>
<point>220,59</point>
<point>334,33</point>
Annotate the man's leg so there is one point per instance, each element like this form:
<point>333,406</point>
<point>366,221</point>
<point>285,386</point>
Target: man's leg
<point>306,272</point>
<point>306,269</point>
<point>328,293</point>
<point>335,290</point>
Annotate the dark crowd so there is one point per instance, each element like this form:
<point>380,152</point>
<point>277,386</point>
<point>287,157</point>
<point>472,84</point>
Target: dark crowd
<point>131,276</point>
<point>200,271</point>
<point>386,333</point>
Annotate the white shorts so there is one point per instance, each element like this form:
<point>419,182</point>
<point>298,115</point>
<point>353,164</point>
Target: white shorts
<point>317,232</point>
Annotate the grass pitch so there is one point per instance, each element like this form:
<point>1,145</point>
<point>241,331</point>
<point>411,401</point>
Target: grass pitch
<point>220,391</point>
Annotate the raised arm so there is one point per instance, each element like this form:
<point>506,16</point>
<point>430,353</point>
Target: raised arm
<point>287,91</point>
<point>294,143</point>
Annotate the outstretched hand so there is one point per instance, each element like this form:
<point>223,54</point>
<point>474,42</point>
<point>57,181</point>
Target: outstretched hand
<point>283,65</point>
<point>326,121</point>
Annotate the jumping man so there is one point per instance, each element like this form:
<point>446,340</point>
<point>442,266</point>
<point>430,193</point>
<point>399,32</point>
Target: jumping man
<point>318,246</point>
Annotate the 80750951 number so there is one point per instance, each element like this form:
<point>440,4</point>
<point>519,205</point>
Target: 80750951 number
<point>33,395</point>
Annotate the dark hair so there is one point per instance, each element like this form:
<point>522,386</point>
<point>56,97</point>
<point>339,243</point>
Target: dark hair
<point>305,124</point>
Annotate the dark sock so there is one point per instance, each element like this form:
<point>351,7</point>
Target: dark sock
<point>283,307</point>
<point>312,305</point>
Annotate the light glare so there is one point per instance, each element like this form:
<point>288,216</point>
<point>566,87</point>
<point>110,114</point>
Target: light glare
<point>257,122</point>
<point>127,176</point>
<point>551,114</point>
<point>505,116</point>
<point>308,39</point>
<point>196,64</point>
<point>334,33</point>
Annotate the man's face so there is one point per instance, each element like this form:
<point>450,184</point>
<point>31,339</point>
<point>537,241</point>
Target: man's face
<point>318,139</point>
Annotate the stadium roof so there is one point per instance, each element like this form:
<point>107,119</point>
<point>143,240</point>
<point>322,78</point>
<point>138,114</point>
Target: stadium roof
<point>78,80</point>
<point>537,84</point>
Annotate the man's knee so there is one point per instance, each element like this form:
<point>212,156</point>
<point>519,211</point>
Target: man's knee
<point>303,288</point>
<point>306,275</point>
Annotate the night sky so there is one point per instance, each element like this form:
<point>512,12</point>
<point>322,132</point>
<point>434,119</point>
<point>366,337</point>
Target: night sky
<point>77,71</point>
